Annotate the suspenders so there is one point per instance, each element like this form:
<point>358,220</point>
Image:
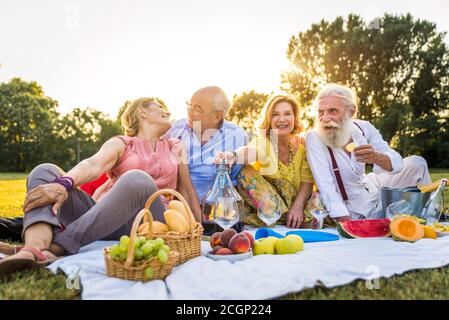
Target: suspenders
<point>341,186</point>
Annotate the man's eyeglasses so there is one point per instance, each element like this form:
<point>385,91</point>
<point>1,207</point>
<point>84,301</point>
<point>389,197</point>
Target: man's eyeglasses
<point>195,108</point>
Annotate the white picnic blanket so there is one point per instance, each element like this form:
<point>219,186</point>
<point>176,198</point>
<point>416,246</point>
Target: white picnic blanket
<point>260,277</point>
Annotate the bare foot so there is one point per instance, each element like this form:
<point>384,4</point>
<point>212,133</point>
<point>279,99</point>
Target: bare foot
<point>20,255</point>
<point>28,255</point>
<point>8,249</point>
<point>24,260</point>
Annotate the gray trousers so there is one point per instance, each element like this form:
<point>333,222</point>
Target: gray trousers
<point>81,220</point>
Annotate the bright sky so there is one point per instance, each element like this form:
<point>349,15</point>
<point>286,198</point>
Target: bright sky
<point>99,53</point>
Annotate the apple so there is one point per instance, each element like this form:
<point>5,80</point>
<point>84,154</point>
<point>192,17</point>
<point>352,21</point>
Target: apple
<point>272,240</point>
<point>298,241</point>
<point>287,245</point>
<point>264,246</point>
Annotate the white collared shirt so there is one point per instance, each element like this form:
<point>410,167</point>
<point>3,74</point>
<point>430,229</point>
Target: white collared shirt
<point>363,193</point>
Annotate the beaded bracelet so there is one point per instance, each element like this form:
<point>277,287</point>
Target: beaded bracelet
<point>65,181</point>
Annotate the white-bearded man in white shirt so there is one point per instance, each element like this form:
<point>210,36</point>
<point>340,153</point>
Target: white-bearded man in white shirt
<point>340,176</point>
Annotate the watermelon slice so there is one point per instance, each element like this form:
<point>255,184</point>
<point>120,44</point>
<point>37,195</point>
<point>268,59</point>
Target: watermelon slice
<point>368,228</point>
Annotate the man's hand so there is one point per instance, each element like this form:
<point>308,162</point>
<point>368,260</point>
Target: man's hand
<point>45,194</point>
<point>295,218</point>
<point>366,154</point>
<point>229,156</point>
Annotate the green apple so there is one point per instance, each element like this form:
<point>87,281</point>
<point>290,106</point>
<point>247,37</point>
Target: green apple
<point>287,245</point>
<point>264,246</point>
<point>272,239</point>
<point>298,241</point>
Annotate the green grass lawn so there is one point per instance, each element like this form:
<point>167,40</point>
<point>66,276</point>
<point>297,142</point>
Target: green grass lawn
<point>42,284</point>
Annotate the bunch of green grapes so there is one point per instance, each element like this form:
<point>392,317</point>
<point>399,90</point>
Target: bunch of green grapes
<point>143,249</point>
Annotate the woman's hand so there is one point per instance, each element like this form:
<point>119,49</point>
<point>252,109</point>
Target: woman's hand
<point>45,194</point>
<point>99,192</point>
<point>185,187</point>
<point>295,218</point>
<point>229,156</point>
<point>295,215</point>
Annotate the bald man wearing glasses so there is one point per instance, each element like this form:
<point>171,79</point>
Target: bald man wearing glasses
<point>204,133</point>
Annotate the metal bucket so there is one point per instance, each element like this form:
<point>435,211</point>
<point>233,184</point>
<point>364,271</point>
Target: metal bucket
<point>413,195</point>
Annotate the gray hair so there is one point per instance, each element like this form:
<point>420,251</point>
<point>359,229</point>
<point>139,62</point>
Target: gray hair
<point>348,95</point>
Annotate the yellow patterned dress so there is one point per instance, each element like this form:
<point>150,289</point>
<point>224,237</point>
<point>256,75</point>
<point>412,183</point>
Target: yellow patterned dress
<point>268,174</point>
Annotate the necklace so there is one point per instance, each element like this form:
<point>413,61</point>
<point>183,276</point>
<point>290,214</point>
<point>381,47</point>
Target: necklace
<point>275,144</point>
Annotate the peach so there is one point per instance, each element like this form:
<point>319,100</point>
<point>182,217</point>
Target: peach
<point>226,237</point>
<point>215,239</point>
<point>215,249</point>
<point>250,237</point>
<point>224,251</point>
<point>239,243</point>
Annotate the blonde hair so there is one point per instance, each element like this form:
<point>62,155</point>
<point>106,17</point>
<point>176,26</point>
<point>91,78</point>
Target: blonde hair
<point>348,95</point>
<point>130,117</point>
<point>264,122</point>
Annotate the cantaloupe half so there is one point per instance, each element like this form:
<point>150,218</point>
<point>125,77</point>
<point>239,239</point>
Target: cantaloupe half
<point>406,229</point>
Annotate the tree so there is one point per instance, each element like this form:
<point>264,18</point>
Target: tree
<point>109,128</point>
<point>82,132</point>
<point>33,132</point>
<point>245,109</point>
<point>400,71</point>
<point>27,119</point>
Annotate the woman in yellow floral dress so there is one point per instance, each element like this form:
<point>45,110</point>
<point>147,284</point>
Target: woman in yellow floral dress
<point>275,163</point>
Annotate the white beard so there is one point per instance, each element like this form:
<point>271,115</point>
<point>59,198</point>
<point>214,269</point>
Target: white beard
<point>339,137</point>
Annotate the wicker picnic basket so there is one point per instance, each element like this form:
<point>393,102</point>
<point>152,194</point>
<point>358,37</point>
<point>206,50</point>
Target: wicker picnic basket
<point>131,270</point>
<point>188,245</point>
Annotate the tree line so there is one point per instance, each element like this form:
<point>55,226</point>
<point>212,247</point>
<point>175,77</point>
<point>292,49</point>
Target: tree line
<point>398,65</point>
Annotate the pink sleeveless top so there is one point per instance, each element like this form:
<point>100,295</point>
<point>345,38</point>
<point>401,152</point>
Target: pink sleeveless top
<point>161,164</point>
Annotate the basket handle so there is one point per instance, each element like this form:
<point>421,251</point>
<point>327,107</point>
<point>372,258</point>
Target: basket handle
<point>133,235</point>
<point>192,222</point>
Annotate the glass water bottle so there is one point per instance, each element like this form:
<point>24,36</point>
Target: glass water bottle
<point>221,201</point>
<point>435,205</point>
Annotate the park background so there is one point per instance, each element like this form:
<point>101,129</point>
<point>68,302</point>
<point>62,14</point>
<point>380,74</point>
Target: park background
<point>67,68</point>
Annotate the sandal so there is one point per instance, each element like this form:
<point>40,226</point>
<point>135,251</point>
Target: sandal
<point>9,266</point>
<point>9,249</point>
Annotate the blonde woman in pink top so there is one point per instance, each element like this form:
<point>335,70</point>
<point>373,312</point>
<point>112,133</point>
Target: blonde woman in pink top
<point>60,218</point>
